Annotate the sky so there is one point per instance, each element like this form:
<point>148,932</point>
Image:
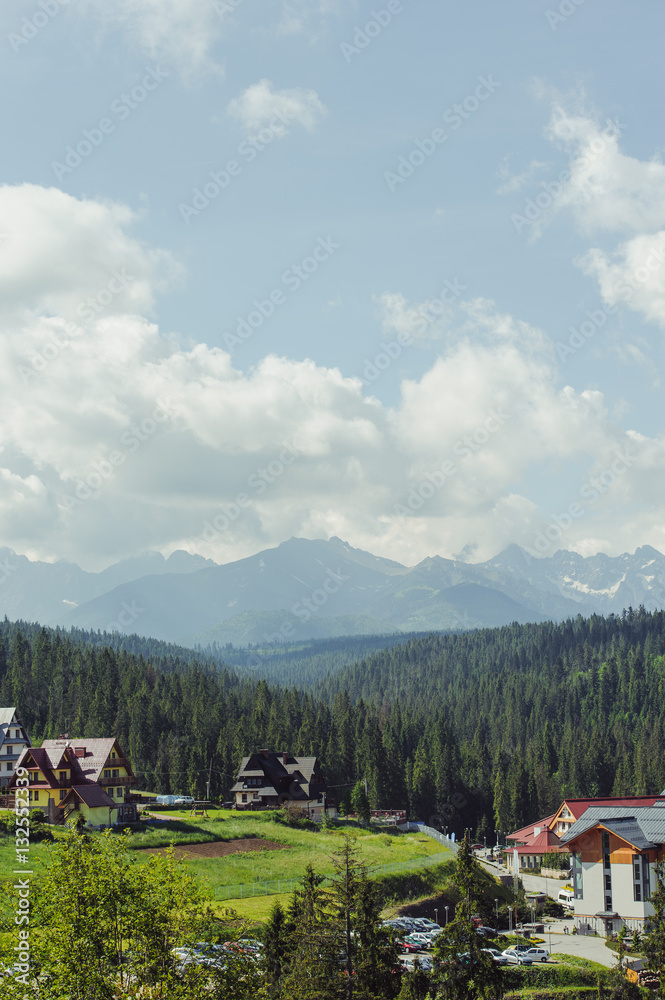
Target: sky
<point>393,272</point>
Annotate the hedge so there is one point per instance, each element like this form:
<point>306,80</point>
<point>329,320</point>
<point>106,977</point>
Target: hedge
<point>564,993</point>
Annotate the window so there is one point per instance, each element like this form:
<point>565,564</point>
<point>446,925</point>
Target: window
<point>646,878</point>
<point>637,892</point>
<point>63,792</point>
<point>118,793</point>
<point>116,773</point>
<point>112,754</point>
<point>35,796</point>
<point>10,749</point>
<point>244,798</point>
<point>608,903</point>
<point>107,773</point>
<point>606,840</point>
<point>606,861</point>
<point>62,775</point>
<point>10,766</point>
<point>608,883</point>
<point>636,870</point>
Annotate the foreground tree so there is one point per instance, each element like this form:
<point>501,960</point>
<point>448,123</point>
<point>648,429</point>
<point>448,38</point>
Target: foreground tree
<point>337,948</point>
<point>105,925</point>
<point>463,971</point>
<point>653,941</point>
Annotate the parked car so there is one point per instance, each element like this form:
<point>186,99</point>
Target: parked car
<point>496,956</point>
<point>424,940</point>
<point>409,962</point>
<point>184,800</point>
<point>429,925</point>
<point>406,945</point>
<point>487,931</point>
<point>516,957</point>
<point>537,954</point>
<point>187,956</point>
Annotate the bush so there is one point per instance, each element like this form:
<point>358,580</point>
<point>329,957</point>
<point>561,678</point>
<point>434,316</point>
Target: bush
<point>294,815</point>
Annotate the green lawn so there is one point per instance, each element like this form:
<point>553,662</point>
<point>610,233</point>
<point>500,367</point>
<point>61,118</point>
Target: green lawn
<point>302,847</point>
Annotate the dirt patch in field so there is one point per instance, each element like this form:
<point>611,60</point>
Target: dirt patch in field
<point>220,848</point>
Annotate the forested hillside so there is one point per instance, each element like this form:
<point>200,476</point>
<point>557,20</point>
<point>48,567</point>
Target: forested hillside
<point>487,729</point>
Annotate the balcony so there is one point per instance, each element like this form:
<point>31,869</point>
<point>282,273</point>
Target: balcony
<point>116,781</point>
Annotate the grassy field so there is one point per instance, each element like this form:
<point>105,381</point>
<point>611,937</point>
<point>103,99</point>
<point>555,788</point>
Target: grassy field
<point>302,847</point>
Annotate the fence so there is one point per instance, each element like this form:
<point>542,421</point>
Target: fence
<point>276,886</point>
<point>431,832</point>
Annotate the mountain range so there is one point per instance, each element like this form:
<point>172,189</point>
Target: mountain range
<point>305,589</point>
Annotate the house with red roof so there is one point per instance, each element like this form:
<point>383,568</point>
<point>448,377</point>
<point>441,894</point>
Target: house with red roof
<point>87,778</point>
<point>543,837</point>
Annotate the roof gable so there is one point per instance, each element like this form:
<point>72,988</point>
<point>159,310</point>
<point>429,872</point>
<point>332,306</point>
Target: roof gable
<point>91,795</point>
<point>86,757</point>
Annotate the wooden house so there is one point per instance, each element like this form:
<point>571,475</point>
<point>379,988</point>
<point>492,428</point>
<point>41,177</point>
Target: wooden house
<point>268,780</point>
<point>88,777</point>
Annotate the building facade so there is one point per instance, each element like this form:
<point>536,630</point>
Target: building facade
<point>89,777</point>
<point>614,850</point>
<point>13,741</point>
<point>269,780</point>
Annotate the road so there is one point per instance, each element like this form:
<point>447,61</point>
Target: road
<point>556,940</point>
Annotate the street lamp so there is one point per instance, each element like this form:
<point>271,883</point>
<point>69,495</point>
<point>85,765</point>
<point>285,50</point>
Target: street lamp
<point>496,910</point>
<point>533,913</point>
<point>436,914</point>
<point>510,920</point>
<point>446,909</point>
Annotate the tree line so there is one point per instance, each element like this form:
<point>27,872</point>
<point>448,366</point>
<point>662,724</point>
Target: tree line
<point>486,730</point>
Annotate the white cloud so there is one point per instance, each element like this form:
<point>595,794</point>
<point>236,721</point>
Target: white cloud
<point>59,251</point>
<point>125,439</point>
<point>607,190</point>
<point>260,105</point>
<point>510,183</point>
<point>634,273</point>
<point>308,16</point>
<point>180,33</point>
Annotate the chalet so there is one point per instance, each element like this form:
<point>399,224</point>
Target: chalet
<point>614,851</point>
<point>268,780</point>
<point>90,778</point>
<point>13,741</point>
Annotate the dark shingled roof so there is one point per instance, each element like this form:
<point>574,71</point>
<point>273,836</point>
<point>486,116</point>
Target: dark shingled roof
<point>92,796</point>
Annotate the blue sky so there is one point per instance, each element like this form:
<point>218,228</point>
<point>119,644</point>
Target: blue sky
<point>417,206</point>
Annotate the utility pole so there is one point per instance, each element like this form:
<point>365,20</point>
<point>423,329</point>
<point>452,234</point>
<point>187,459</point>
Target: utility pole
<point>208,782</point>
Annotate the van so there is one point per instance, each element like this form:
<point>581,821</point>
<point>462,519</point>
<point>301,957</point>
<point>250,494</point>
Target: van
<point>566,897</point>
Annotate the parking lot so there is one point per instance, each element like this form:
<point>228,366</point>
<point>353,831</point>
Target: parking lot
<point>581,945</point>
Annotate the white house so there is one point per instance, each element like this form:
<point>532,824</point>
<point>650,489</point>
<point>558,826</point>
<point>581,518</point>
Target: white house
<point>614,850</point>
<point>13,741</point>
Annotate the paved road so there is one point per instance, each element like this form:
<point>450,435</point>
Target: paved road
<point>581,945</point>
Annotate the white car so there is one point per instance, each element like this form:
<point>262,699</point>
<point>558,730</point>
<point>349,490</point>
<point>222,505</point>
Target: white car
<point>517,957</point>
<point>537,954</point>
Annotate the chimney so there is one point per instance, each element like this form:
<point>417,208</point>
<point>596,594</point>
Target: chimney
<point>264,753</point>
<point>284,757</point>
